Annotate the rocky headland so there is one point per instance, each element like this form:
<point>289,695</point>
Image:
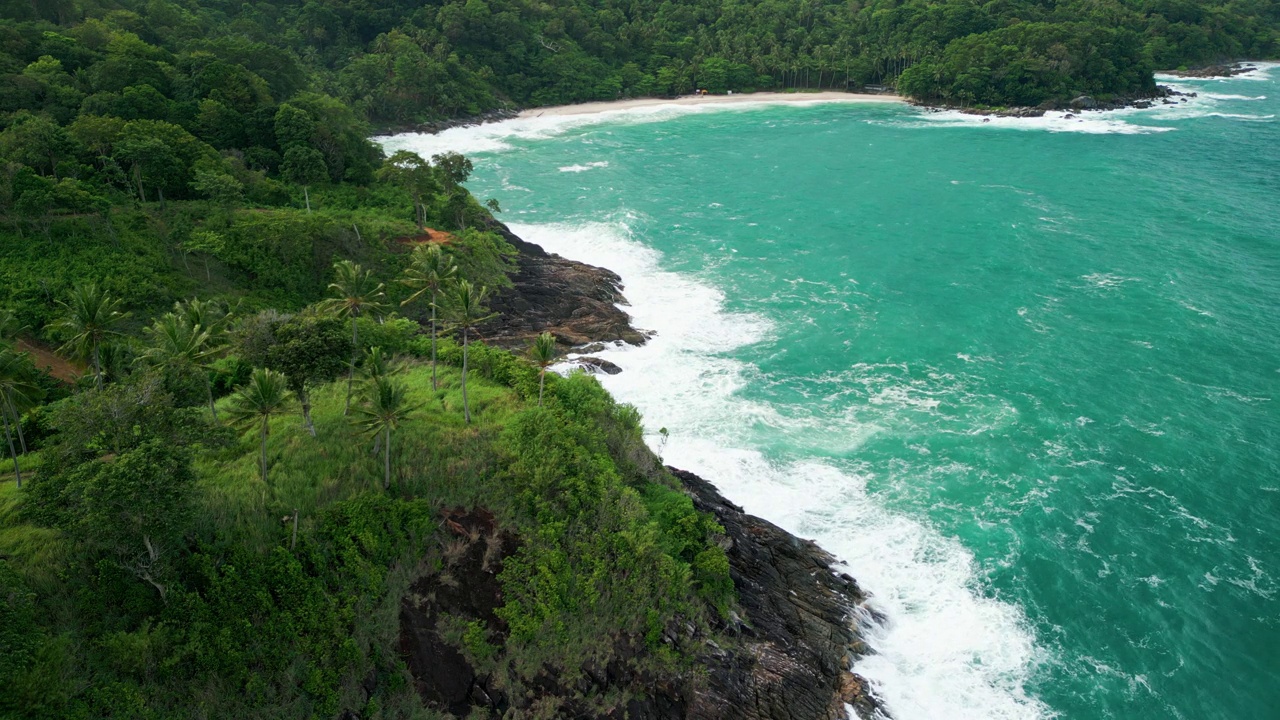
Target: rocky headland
<point>784,653</point>
<point>1213,71</point>
<point>574,301</point>
<point>1162,95</point>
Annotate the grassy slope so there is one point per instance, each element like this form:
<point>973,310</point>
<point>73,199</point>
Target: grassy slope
<point>435,454</point>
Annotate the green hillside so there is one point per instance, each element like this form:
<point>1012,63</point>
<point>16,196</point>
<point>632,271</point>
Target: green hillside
<point>231,618</point>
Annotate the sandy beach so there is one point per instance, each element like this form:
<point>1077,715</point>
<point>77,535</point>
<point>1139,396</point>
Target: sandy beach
<point>761,97</point>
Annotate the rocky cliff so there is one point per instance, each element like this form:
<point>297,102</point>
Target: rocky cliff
<point>784,654</point>
<point>790,654</point>
<point>575,302</point>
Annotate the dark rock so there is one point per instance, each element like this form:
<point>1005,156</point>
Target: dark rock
<point>1142,104</point>
<point>575,302</point>
<point>1084,102</point>
<point>798,633</point>
<point>784,654</point>
<point>467,586</point>
<point>1018,112</point>
<point>597,365</point>
<point>1212,71</point>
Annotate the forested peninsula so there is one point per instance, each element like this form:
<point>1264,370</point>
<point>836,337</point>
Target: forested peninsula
<point>280,434</point>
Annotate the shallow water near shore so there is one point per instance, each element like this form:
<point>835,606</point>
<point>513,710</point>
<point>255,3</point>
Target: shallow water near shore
<point>1022,376</point>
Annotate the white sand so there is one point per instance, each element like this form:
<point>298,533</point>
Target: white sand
<point>761,97</point>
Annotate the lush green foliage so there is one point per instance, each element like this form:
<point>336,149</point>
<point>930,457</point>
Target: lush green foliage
<point>151,91</point>
<point>149,573</point>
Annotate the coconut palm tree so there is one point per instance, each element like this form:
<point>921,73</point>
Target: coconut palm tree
<point>215,318</point>
<point>382,411</point>
<point>355,293</point>
<point>543,353</point>
<point>265,396</point>
<point>378,364</point>
<point>18,391</point>
<point>178,345</point>
<point>428,272</point>
<point>464,305</point>
<point>91,316</point>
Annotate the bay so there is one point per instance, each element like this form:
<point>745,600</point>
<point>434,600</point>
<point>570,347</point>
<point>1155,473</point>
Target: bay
<point>1022,375</point>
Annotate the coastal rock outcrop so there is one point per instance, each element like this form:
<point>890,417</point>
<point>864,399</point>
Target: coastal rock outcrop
<point>797,636</point>
<point>574,301</point>
<point>1212,71</point>
<point>1077,104</point>
<point>595,365</point>
<point>785,654</point>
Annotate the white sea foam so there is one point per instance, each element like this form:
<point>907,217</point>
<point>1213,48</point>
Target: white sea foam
<point>946,650</point>
<point>1221,96</point>
<point>1092,123</point>
<point>584,168</point>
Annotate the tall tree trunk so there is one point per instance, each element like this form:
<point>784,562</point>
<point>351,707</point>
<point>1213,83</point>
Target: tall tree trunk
<point>304,398</point>
<point>435,385</point>
<point>97,365</point>
<point>355,353</point>
<point>294,542</point>
<point>160,190</point>
<point>307,196</point>
<point>386,457</point>
<point>265,424</point>
<point>17,471</point>
<point>17,423</point>
<point>208,389</point>
<point>466,409</point>
<point>542,380</point>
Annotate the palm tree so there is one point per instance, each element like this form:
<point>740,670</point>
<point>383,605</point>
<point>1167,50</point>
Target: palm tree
<point>465,307</point>
<point>178,345</point>
<point>543,353</point>
<point>263,397</point>
<point>92,316</point>
<point>211,315</point>
<point>355,294</point>
<point>379,364</point>
<point>382,411</point>
<point>428,272</point>
<point>215,318</point>
<point>18,390</point>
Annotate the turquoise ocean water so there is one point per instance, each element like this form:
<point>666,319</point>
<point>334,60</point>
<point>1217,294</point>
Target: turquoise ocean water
<point>1022,376</point>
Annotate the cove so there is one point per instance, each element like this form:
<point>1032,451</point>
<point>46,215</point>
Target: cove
<point>1021,375</point>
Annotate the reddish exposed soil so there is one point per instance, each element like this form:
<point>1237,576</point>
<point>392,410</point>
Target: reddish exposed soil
<point>431,235</point>
<point>49,361</point>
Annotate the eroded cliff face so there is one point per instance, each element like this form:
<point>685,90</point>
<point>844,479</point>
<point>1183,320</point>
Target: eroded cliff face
<point>789,657</point>
<point>785,654</point>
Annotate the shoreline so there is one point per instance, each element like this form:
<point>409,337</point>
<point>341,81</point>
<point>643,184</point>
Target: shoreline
<point>591,108</point>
